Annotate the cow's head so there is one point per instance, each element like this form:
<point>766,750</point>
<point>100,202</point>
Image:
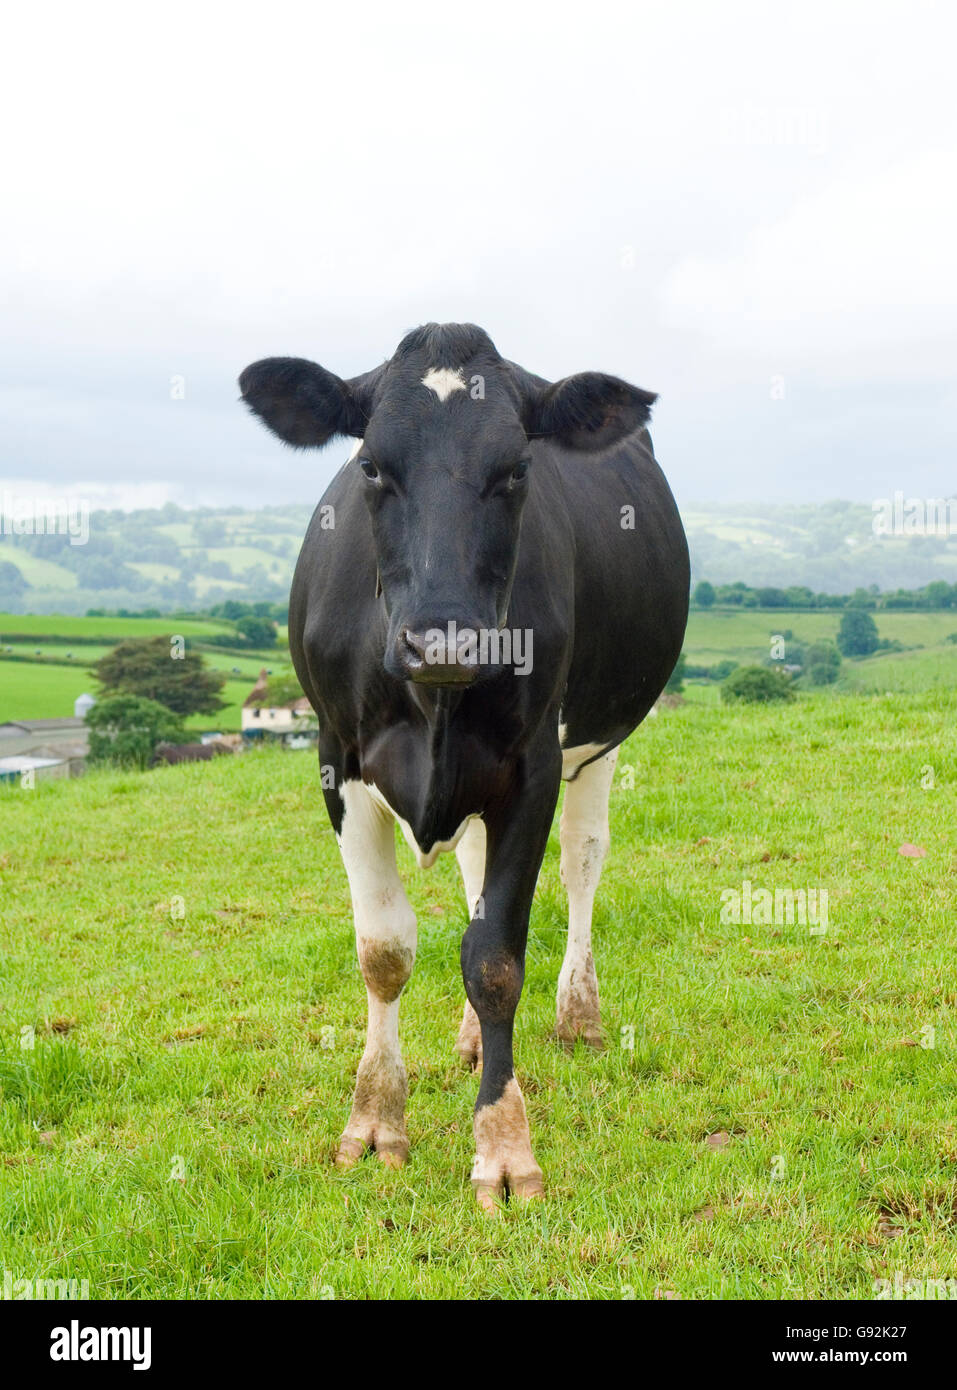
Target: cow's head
<point>443,429</point>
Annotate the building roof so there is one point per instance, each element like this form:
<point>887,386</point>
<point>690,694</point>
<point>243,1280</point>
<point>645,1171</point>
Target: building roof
<point>26,764</point>
<point>40,726</point>
<point>255,696</point>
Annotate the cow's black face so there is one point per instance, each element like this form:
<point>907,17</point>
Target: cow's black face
<point>445,479</point>
<point>444,462</point>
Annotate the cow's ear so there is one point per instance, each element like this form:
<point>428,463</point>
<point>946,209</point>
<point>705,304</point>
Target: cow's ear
<point>303,403</point>
<point>589,411</point>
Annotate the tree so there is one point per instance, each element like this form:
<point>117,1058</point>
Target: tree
<point>210,531</point>
<point>125,729</point>
<point>756,685</point>
<point>772,598</point>
<point>704,594</point>
<point>12,582</point>
<point>939,594</point>
<point>154,669</point>
<point>282,690</point>
<point>823,663</point>
<point>257,631</point>
<point>857,635</point>
<point>676,683</point>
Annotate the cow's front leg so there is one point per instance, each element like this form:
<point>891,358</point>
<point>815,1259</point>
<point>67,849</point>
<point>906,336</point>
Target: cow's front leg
<point>493,968</point>
<point>385,942</point>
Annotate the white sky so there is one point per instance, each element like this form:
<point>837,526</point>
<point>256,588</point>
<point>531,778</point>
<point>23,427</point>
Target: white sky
<point>723,202</point>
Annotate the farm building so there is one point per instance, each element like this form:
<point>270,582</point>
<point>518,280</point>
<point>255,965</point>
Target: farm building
<point>61,741</point>
<point>292,722</point>
<point>33,769</point>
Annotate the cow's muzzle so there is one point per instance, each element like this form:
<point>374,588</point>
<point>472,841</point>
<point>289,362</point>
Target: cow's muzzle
<point>437,656</point>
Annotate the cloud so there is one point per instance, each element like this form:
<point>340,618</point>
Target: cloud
<point>857,278</point>
<point>693,196</point>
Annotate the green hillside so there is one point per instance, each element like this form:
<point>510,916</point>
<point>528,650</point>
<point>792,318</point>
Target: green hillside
<point>171,558</point>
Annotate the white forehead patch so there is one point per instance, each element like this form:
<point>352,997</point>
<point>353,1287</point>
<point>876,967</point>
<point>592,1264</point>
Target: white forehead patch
<point>443,381</point>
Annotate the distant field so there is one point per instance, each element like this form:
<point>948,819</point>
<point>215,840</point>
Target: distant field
<point>38,690</point>
<point>41,574</point>
<point>228,720</point>
<point>901,672</point>
<point>746,634</point>
<point>154,571</point>
<point>83,653</point>
<point>11,624</point>
<point>35,691</point>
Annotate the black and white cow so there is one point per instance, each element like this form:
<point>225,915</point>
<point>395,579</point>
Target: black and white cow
<point>490,597</point>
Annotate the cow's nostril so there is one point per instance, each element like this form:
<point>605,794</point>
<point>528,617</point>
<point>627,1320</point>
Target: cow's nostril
<point>413,646</point>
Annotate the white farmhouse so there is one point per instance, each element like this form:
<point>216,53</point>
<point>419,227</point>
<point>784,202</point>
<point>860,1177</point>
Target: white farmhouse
<point>261,719</point>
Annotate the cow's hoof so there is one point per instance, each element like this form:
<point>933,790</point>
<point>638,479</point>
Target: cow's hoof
<point>471,1055</point>
<point>504,1165</point>
<point>568,1031</point>
<point>468,1044</point>
<point>491,1196</point>
<point>393,1155</point>
<point>393,1152</point>
<point>349,1152</point>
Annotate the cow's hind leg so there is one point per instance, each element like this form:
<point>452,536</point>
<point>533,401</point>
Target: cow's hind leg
<point>385,943</point>
<point>470,853</point>
<point>584,841</point>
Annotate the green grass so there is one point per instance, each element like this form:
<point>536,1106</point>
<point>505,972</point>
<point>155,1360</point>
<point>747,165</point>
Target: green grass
<point>34,690</point>
<point>39,573</point>
<point>197,1046</point>
<point>746,634</point>
<point>81,654</point>
<point>16,624</point>
<point>37,690</point>
<point>902,671</point>
<point>228,719</point>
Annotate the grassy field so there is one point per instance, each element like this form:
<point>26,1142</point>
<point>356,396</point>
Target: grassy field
<point>113,629</point>
<point>48,692</point>
<point>767,1120</point>
<point>746,634</point>
<point>41,690</point>
<point>33,690</point>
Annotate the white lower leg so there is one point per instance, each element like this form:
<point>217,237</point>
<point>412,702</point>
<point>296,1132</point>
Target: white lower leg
<point>470,852</point>
<point>584,844</point>
<point>385,943</point>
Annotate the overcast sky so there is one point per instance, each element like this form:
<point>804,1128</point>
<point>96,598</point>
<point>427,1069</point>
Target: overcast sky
<point>749,208</point>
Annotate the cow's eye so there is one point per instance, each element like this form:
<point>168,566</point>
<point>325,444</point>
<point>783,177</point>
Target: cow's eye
<point>519,471</point>
<point>369,469</point>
